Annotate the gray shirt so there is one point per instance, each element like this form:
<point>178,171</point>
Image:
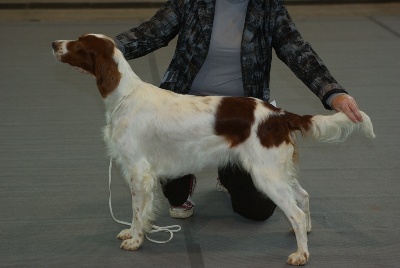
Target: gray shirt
<point>221,72</point>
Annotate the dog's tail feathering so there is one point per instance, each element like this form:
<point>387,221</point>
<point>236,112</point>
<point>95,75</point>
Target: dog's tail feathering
<point>331,128</point>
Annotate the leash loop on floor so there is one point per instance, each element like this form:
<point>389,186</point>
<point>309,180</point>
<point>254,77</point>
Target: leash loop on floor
<point>155,229</point>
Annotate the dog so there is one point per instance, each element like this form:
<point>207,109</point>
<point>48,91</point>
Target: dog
<point>155,134</point>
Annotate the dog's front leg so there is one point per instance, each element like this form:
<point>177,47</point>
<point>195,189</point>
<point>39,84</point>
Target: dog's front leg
<point>141,184</point>
<point>134,236</point>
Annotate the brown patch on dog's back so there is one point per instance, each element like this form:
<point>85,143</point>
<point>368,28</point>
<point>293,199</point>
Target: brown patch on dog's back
<point>234,118</point>
<point>273,131</point>
<point>301,123</point>
<point>276,129</point>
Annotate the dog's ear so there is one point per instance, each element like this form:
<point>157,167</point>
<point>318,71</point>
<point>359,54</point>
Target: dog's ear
<point>107,74</point>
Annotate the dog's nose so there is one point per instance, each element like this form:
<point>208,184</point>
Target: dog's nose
<point>55,45</point>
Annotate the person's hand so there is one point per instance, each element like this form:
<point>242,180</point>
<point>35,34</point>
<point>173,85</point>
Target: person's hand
<point>346,104</point>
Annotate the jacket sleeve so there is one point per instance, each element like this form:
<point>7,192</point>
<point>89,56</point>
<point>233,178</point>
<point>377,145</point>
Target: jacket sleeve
<point>299,56</point>
<point>153,34</point>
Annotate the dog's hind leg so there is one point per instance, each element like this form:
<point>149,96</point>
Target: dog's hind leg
<point>141,187</point>
<point>275,183</point>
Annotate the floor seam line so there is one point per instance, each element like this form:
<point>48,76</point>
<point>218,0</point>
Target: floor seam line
<point>383,26</point>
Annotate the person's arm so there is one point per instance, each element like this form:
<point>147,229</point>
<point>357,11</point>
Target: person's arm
<point>155,33</point>
<point>299,56</point>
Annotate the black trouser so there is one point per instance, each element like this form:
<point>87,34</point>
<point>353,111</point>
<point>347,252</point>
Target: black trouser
<point>246,200</point>
<point>177,190</point>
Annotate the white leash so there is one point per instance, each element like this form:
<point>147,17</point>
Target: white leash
<point>168,229</point>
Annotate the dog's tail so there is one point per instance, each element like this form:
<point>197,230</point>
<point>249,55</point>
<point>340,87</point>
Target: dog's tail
<point>330,128</point>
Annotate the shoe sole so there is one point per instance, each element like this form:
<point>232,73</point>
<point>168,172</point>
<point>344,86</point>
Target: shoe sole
<point>179,214</point>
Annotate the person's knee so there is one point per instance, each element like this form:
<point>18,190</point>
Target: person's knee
<point>256,211</point>
<point>247,201</point>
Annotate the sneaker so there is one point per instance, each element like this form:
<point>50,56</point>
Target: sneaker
<point>182,212</point>
<point>186,210</point>
<point>220,187</point>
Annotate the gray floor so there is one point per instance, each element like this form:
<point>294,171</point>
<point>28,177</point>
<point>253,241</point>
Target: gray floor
<point>53,179</point>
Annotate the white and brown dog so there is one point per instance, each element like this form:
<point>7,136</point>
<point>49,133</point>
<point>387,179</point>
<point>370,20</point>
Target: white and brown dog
<point>155,134</point>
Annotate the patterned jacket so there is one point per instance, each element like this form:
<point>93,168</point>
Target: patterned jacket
<point>267,25</point>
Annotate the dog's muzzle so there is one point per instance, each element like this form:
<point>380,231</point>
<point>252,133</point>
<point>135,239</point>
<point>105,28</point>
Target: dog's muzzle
<point>58,49</point>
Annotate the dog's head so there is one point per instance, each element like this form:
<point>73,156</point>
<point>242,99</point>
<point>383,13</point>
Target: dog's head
<point>94,53</point>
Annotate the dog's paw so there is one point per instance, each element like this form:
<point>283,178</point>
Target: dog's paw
<point>298,258</point>
<point>131,244</point>
<point>125,234</point>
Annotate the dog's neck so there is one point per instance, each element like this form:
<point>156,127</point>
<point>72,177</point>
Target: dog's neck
<point>127,84</point>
